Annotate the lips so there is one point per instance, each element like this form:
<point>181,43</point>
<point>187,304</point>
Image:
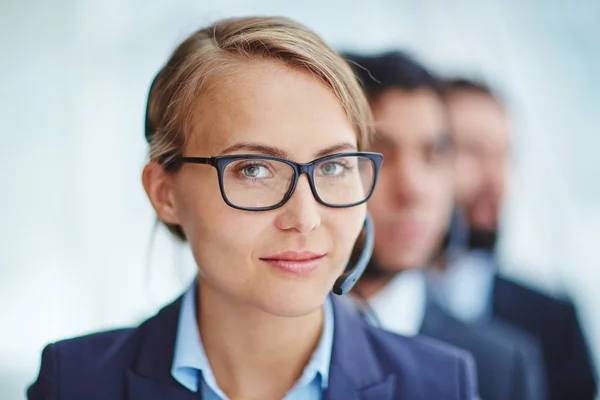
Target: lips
<point>295,256</point>
<point>295,262</point>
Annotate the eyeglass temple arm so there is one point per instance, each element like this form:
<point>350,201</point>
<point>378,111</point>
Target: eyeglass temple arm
<point>198,160</point>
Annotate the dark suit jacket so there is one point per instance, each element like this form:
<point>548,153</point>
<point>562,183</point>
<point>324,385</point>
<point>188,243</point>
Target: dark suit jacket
<point>568,365</point>
<point>509,365</point>
<point>367,364</point>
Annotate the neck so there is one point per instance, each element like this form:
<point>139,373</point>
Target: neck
<point>439,263</point>
<point>368,287</point>
<point>373,280</point>
<point>254,354</point>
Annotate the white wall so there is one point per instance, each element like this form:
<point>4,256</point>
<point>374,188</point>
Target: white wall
<point>75,223</point>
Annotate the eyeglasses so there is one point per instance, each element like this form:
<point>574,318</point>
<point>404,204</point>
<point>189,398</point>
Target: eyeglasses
<point>253,182</point>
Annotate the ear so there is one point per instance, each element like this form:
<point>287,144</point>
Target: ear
<point>159,188</point>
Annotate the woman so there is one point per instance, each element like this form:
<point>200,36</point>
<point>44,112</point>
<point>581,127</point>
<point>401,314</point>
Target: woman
<point>255,128</point>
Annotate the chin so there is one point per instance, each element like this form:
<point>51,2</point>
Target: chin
<point>289,308</point>
<point>406,265</point>
<point>400,258</point>
<point>291,302</point>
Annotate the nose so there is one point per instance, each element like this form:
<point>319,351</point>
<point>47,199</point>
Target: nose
<point>301,212</point>
<point>407,179</point>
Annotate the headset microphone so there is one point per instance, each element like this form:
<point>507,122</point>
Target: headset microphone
<point>348,279</point>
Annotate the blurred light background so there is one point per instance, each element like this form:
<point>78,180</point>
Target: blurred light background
<point>75,225</point>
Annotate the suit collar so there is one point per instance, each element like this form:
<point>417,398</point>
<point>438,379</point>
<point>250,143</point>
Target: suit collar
<point>504,301</point>
<point>150,376</point>
<point>355,372</point>
<point>435,320</point>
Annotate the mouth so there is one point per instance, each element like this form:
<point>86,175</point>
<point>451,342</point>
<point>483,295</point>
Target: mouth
<point>298,263</point>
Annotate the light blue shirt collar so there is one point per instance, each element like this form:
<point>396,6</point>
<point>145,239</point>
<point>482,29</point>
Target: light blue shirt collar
<point>465,288</point>
<point>189,356</point>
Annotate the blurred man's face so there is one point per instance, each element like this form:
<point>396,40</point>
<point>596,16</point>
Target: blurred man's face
<point>412,202</point>
<point>480,130</point>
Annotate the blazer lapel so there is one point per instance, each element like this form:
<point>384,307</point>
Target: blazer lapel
<point>434,321</point>
<point>437,324</point>
<point>504,304</point>
<point>150,376</point>
<point>355,373</point>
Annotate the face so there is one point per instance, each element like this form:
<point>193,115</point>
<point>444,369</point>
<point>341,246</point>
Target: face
<point>480,130</point>
<point>265,108</point>
<point>412,202</point>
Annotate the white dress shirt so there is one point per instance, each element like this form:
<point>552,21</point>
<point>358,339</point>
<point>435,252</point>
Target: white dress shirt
<point>400,306</point>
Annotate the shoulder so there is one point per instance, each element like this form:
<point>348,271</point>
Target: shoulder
<point>516,345</point>
<point>510,336</point>
<point>555,323</point>
<point>542,304</point>
<point>77,362</point>
<point>107,343</point>
<point>516,365</point>
<point>493,348</point>
<point>497,339</point>
<point>419,360</point>
<point>533,296</point>
<point>95,366</point>
<point>417,347</point>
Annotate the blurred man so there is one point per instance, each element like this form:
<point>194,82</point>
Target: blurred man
<point>470,289</point>
<point>411,209</point>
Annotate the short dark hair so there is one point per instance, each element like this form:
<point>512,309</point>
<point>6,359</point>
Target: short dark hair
<point>391,70</point>
<point>464,84</point>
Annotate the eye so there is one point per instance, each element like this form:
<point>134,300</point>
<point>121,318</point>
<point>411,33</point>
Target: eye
<point>332,168</point>
<point>440,150</point>
<point>255,171</point>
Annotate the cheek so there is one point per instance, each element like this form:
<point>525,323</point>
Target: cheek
<point>440,201</point>
<point>195,187</point>
<point>381,199</point>
<point>226,231</point>
<point>466,177</point>
<point>377,202</point>
<point>345,225</point>
<point>443,209</point>
<point>210,225</point>
<point>445,203</point>
<point>224,242</point>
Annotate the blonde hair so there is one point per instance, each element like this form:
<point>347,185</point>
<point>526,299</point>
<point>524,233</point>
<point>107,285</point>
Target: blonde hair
<point>187,75</point>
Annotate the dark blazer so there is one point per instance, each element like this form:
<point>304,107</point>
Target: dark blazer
<point>509,364</point>
<point>367,364</point>
<point>568,364</point>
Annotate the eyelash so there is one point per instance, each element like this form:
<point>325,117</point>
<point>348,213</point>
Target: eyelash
<point>240,167</point>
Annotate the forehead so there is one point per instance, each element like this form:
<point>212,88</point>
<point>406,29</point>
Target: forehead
<point>477,117</point>
<point>409,115</point>
<point>272,104</point>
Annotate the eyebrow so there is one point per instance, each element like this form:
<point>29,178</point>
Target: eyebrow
<point>277,152</point>
<point>444,139</point>
<point>256,148</point>
<point>338,148</point>
<point>382,139</point>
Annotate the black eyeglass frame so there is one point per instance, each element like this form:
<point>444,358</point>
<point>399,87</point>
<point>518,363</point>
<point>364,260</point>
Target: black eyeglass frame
<point>221,162</point>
